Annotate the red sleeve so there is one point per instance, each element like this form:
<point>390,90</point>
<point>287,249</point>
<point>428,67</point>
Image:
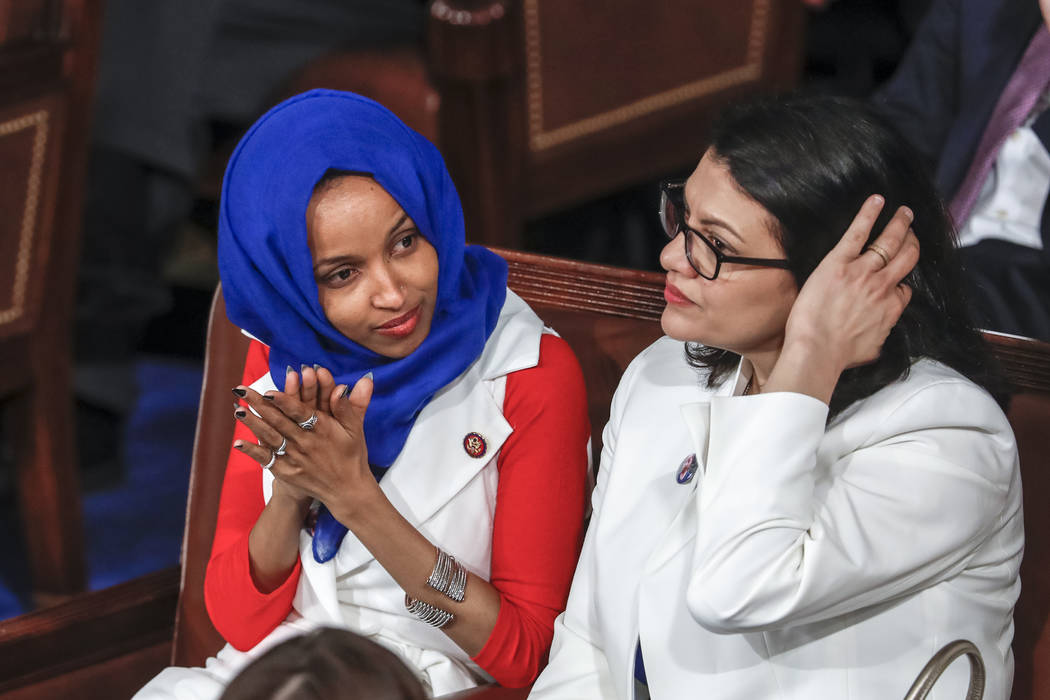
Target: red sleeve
<point>540,504</point>
<point>240,612</point>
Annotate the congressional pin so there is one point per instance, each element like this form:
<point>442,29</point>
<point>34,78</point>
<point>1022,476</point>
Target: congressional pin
<point>686,469</point>
<point>475,445</point>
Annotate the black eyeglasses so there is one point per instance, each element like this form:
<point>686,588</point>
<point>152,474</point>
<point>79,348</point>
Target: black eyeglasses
<point>706,259</point>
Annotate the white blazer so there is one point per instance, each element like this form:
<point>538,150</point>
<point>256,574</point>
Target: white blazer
<point>802,560</point>
<point>447,494</point>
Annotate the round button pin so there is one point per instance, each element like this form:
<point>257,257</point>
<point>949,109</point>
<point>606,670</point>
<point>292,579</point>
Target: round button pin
<point>686,470</point>
<point>475,445</point>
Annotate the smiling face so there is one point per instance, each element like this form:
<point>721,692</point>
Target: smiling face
<point>745,308</point>
<point>377,276</point>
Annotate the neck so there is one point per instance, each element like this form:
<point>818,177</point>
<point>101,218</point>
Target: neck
<point>762,364</point>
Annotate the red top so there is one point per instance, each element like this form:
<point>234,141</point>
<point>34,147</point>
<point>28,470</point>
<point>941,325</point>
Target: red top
<point>536,534</point>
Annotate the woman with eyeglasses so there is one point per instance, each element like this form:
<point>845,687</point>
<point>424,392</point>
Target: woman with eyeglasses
<point>410,460</point>
<point>808,486</point>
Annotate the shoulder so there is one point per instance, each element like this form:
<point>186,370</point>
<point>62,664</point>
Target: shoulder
<point>514,343</point>
<point>556,376</point>
<point>931,395</point>
<point>660,367</point>
<point>657,381</point>
<point>937,412</point>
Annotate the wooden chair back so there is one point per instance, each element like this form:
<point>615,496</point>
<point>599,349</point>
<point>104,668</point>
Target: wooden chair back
<point>547,103</point>
<point>47,65</point>
<point>608,315</point>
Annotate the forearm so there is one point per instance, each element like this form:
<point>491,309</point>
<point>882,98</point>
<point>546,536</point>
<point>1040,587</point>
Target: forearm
<point>409,558</point>
<point>273,545</point>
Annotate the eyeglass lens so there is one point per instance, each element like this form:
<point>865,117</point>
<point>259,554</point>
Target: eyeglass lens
<point>700,254</point>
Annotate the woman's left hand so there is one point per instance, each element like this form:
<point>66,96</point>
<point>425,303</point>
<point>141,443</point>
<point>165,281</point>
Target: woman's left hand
<point>849,304</point>
<point>329,461</point>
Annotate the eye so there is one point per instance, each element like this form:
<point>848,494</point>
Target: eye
<point>340,277</point>
<point>717,242</point>
<point>405,242</point>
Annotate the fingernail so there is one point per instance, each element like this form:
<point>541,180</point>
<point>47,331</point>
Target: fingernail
<point>289,369</point>
<point>239,392</point>
<point>302,368</point>
<point>879,199</point>
<point>267,397</point>
<point>240,413</point>
<point>908,213</point>
<point>369,377</point>
<point>317,367</point>
<point>346,392</point>
<point>238,444</point>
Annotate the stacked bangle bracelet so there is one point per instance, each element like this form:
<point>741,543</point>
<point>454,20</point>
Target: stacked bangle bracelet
<point>448,577</point>
<point>435,617</point>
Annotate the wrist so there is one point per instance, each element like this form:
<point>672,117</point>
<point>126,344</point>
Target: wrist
<point>358,505</point>
<point>804,368</point>
<point>287,498</point>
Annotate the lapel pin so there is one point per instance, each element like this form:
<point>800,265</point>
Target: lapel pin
<point>686,469</point>
<point>475,445</point>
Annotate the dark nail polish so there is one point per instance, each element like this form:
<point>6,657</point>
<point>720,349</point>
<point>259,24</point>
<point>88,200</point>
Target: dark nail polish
<point>267,397</point>
<point>239,445</point>
<point>346,392</point>
<point>240,413</point>
<point>239,393</point>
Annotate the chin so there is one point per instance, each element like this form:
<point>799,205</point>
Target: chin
<point>678,328</point>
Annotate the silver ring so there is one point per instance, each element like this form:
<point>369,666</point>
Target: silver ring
<point>280,450</point>
<point>310,422</point>
<point>273,458</point>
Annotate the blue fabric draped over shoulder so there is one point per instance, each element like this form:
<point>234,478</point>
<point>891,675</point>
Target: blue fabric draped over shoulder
<point>267,269</point>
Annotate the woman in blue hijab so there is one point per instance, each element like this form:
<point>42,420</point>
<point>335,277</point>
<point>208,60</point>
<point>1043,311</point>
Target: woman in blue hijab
<point>401,403</point>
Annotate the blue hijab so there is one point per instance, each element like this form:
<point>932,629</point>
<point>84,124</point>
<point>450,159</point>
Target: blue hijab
<point>267,268</point>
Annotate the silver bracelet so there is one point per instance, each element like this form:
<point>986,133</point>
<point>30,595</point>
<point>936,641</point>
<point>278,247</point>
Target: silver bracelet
<point>448,577</point>
<point>433,616</point>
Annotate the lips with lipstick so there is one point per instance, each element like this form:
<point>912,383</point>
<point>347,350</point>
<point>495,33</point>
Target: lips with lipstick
<point>674,296</point>
<point>401,326</point>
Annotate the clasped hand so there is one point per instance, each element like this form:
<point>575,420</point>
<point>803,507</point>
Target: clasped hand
<point>329,462</point>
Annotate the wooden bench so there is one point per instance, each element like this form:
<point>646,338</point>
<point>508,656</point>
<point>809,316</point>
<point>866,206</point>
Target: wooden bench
<point>116,639</point>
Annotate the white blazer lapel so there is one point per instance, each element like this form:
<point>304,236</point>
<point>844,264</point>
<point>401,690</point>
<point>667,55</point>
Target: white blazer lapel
<point>434,465</point>
<point>682,530</point>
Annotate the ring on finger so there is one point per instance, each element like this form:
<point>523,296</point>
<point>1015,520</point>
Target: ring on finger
<point>310,422</point>
<point>273,458</point>
<point>280,450</point>
<point>878,250</point>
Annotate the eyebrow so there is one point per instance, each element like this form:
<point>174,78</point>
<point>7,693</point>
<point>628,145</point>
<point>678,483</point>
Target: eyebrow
<point>353,258</point>
<point>713,221</point>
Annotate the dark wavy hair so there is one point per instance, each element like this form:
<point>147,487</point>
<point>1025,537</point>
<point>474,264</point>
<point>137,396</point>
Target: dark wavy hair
<point>326,663</point>
<point>811,161</point>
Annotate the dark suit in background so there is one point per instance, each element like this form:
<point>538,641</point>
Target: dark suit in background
<point>941,98</point>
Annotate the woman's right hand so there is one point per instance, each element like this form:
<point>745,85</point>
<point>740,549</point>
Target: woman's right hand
<point>849,304</point>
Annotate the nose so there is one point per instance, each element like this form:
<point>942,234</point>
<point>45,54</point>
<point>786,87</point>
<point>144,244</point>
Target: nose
<point>672,257</point>
<point>388,290</point>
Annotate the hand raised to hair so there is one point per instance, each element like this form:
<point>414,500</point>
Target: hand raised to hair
<point>849,304</point>
<point>855,296</point>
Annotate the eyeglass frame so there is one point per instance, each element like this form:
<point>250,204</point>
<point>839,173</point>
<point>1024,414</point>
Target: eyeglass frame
<point>669,188</point>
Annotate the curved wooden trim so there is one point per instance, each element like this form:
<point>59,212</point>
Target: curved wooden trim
<point>570,284</point>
